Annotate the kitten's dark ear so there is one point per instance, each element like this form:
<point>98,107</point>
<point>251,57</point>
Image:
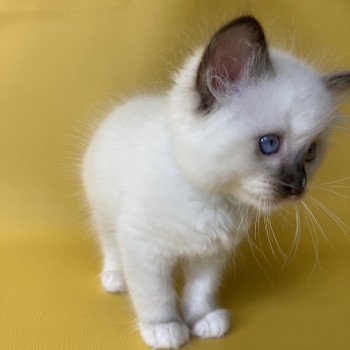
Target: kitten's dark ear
<point>337,82</point>
<point>236,51</point>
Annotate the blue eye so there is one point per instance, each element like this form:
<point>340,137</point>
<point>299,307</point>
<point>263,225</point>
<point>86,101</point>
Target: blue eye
<point>269,143</point>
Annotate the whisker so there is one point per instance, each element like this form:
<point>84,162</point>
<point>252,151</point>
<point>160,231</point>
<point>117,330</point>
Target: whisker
<point>313,239</point>
<point>259,216</point>
<point>297,231</point>
<point>338,186</point>
<point>331,191</point>
<point>314,266</point>
<point>312,231</point>
<point>250,241</point>
<point>269,223</point>
<point>256,223</point>
<point>318,225</point>
<point>268,237</point>
<point>273,180</point>
<point>234,253</point>
<point>314,221</point>
<point>345,229</point>
<point>254,248</point>
<point>336,181</point>
<point>261,267</point>
<point>294,246</point>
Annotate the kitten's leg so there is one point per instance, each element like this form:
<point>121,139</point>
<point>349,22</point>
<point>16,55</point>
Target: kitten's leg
<point>112,278</point>
<point>149,279</point>
<point>203,276</point>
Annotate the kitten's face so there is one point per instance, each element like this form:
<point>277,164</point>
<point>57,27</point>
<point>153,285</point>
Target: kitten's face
<point>263,143</point>
<point>280,127</point>
<point>255,125</point>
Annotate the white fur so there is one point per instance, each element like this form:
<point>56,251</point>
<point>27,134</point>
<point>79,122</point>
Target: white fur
<point>165,182</point>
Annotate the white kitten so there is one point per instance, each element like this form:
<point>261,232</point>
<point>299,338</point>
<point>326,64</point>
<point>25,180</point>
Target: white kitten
<point>178,176</point>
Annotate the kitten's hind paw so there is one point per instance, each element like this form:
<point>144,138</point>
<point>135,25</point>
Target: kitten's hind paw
<point>113,281</point>
<point>213,325</point>
<point>169,335</point>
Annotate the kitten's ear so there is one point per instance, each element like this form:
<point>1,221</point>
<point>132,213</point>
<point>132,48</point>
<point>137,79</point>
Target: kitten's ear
<point>337,82</point>
<point>237,51</point>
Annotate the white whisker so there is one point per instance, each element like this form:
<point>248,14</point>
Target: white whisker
<point>345,229</point>
<point>269,223</point>
<point>334,192</point>
<point>314,221</point>
<point>314,239</point>
<point>338,186</point>
<point>294,246</point>
<point>336,181</point>
<point>268,237</point>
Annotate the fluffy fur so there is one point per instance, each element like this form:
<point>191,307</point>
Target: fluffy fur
<point>168,179</point>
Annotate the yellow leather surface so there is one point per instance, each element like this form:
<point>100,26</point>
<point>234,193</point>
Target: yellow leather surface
<point>61,64</point>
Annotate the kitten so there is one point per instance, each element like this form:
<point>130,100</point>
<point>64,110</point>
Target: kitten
<point>243,126</point>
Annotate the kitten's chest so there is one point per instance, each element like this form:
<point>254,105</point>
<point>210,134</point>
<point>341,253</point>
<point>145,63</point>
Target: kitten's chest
<point>207,227</point>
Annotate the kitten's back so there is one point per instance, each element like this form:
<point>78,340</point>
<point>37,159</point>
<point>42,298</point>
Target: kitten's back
<point>123,145</point>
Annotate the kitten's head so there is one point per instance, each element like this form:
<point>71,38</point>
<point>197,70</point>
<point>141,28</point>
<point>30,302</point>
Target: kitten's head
<point>249,121</point>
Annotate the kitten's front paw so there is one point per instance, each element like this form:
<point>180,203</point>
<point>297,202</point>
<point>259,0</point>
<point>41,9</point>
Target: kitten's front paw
<point>113,281</point>
<point>213,325</point>
<point>169,335</point>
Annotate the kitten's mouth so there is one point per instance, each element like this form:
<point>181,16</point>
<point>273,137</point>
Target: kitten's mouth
<point>266,205</point>
<point>267,196</point>
<point>263,203</point>
<point>271,202</point>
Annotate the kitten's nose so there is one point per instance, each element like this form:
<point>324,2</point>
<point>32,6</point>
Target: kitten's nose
<point>293,182</point>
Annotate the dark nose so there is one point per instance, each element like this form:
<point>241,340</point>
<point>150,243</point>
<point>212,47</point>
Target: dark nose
<point>293,181</point>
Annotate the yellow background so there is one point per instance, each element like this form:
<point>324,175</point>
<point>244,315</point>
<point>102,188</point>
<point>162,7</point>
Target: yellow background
<point>61,64</point>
